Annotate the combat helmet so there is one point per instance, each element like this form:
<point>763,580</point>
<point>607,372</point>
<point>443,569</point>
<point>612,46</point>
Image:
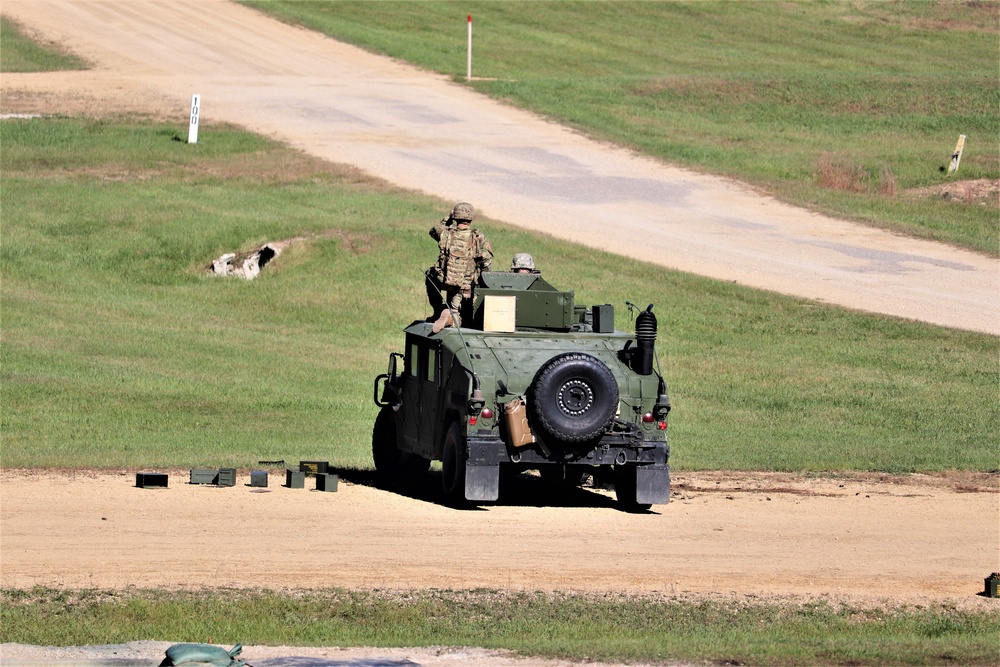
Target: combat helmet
<point>463,211</point>
<point>522,260</point>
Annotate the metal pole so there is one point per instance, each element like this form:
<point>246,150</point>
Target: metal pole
<point>468,65</point>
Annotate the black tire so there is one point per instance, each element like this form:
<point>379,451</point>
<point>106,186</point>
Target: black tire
<point>385,450</point>
<point>625,488</point>
<point>573,397</point>
<point>453,460</point>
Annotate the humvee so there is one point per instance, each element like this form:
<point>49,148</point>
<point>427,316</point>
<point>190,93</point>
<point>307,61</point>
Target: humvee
<point>530,381</point>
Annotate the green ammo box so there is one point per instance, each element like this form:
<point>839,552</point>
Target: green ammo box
<point>227,477</point>
<point>151,480</point>
<point>991,585</point>
<point>258,478</point>
<point>204,476</point>
<point>326,482</point>
<point>604,318</point>
<point>295,479</point>
<point>314,467</point>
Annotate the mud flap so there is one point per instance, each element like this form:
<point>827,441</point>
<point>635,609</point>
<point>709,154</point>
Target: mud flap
<point>652,485</point>
<point>482,482</point>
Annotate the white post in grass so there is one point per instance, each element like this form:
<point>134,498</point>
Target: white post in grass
<point>195,113</point>
<point>956,157</point>
<point>468,64</point>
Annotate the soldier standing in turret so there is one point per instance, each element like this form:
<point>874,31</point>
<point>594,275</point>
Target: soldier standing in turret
<point>463,253</point>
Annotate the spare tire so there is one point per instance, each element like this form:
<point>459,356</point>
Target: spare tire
<point>573,397</point>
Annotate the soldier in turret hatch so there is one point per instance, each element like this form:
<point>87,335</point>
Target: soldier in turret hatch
<point>463,253</point>
<point>523,263</point>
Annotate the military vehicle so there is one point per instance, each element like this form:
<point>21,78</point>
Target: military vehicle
<point>530,381</point>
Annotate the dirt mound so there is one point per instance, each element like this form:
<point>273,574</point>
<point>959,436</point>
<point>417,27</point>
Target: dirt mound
<point>984,191</point>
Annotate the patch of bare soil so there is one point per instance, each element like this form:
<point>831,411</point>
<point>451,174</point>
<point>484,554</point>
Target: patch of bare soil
<point>982,191</point>
<point>867,540</point>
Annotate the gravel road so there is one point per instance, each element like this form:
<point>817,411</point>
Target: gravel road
<point>422,132</point>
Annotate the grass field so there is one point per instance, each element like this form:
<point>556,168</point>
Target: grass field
<point>841,107</point>
<point>580,627</point>
<point>120,351</point>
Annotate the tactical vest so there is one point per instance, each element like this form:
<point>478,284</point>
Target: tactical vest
<point>458,255</point>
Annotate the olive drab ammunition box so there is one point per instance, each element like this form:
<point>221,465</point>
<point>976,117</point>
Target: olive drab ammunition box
<point>204,476</point>
<point>326,482</point>
<point>151,480</point>
<point>220,477</point>
<point>295,479</point>
<point>991,585</point>
<point>227,477</point>
<point>604,318</point>
<point>313,467</point>
<point>258,478</point>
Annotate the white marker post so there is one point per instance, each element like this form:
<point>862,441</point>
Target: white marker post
<point>956,157</point>
<point>468,65</point>
<point>195,113</point>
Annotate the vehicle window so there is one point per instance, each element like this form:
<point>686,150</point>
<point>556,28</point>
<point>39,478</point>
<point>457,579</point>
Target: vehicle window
<point>431,365</point>
<point>412,360</point>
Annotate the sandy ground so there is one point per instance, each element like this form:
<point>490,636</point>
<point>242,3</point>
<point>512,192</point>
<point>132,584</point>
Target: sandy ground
<point>866,540</point>
<point>863,539</point>
<point>910,539</point>
<point>422,132</point>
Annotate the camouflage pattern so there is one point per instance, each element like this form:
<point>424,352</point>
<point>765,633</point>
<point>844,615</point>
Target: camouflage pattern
<point>463,253</point>
<point>463,211</point>
<point>522,260</point>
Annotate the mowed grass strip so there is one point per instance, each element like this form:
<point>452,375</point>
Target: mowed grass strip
<point>608,627</point>
<point>120,351</point>
<point>846,108</point>
<point>23,52</point>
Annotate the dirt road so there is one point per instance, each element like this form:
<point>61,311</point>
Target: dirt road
<point>910,539</point>
<point>422,132</point>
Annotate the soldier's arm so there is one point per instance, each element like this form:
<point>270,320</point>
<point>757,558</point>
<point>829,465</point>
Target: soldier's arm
<point>485,258</point>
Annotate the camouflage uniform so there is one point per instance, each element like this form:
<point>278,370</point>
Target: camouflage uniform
<point>463,253</point>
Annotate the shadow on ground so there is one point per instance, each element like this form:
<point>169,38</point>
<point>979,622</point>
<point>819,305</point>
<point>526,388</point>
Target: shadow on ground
<point>524,489</point>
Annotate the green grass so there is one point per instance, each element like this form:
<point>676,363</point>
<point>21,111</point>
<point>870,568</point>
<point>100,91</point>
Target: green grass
<point>764,92</point>
<point>119,351</point>
<point>577,627</point>
<point>20,53</point>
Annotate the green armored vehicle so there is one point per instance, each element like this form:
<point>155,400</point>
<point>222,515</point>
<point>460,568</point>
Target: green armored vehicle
<point>532,382</point>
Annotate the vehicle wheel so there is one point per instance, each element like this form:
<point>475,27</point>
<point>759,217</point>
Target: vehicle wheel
<point>385,451</point>
<point>573,397</point>
<point>453,464</point>
<point>625,488</point>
